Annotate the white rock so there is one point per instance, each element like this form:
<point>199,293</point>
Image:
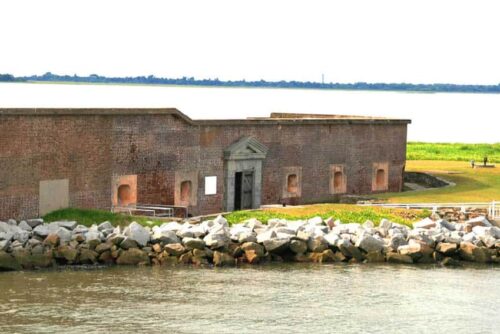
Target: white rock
<point>481,220</point>
<point>426,223</point>
<point>64,235</point>
<point>315,221</point>
<point>24,226</point>
<point>137,233</point>
<point>331,238</point>
<point>267,235</point>
<point>221,221</point>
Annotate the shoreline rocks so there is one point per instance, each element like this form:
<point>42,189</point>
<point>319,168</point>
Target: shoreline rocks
<point>33,244</point>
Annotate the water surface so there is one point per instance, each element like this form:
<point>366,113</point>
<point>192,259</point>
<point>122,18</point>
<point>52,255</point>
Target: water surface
<point>445,117</point>
<point>282,298</point>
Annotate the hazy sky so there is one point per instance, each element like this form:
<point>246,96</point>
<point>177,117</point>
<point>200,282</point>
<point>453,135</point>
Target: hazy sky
<point>422,41</point>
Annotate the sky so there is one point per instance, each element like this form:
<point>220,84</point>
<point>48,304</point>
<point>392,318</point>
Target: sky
<point>424,41</point>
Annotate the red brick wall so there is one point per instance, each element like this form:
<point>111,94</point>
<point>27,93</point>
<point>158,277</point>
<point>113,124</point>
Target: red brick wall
<point>88,150</point>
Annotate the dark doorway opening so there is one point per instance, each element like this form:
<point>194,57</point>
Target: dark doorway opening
<point>243,190</point>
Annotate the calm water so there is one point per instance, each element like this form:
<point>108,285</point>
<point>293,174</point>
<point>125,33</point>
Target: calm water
<point>445,117</point>
<point>283,298</point>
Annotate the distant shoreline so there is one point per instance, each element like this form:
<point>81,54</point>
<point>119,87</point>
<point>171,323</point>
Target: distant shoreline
<point>50,78</point>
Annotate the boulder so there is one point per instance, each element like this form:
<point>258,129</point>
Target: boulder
<point>478,221</point>
<point>93,238</point>
<point>251,256</point>
<point>317,244</point>
<point>398,258</point>
<point>331,238</point>
<point>137,233</point>
<point>88,256</point>
<point>128,243</point>
<point>133,256</point>
<point>174,249</point>
<point>41,231</point>
<point>258,249</point>
<point>186,258</point>
<point>252,223</point>
<point>482,255</point>
<point>397,240</point>
<point>105,226</point>
<point>426,223</point>
<point>247,237</point>
<point>52,240</point>
<point>25,226</point>
<point>106,257</point>
<point>103,247</point>
<point>322,257</point>
<point>384,226</point>
<point>34,222</point>
<point>267,235</point>
<point>69,225</point>
<point>116,239</point>
<point>466,251</point>
<point>446,248</point>
<point>4,245</point>
<point>22,236</point>
<point>80,229</point>
<point>298,246</point>
<point>276,245</point>
<point>64,235</point>
<point>8,262</point>
<point>369,244</point>
<point>216,239</point>
<point>6,236</point>
<point>349,250</point>
<point>193,243</point>
<point>223,259</point>
<point>69,254</point>
<point>165,236</point>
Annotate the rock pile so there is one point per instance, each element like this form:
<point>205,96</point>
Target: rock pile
<point>34,244</point>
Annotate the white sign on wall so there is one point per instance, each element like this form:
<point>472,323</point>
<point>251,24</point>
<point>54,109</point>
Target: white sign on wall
<point>210,185</point>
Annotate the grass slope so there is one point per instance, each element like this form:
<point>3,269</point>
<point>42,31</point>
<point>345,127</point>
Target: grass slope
<point>453,151</point>
<point>345,212</point>
<point>472,185</point>
<point>88,217</point>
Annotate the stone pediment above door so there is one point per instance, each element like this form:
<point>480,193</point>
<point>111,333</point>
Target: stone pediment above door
<point>246,148</point>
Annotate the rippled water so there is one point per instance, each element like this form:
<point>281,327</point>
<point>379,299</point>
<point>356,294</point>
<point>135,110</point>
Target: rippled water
<point>283,298</point>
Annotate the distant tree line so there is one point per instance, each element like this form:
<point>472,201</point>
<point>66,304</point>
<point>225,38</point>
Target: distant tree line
<point>191,81</point>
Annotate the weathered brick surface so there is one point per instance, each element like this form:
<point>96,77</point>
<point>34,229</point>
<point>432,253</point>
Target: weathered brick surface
<point>88,149</point>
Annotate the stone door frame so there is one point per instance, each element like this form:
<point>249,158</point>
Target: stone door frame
<point>244,155</point>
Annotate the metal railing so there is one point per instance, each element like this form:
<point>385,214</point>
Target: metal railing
<point>492,207</point>
<point>154,210</point>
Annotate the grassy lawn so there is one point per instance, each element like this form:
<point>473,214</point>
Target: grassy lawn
<point>347,213</point>
<point>472,185</point>
<point>88,217</point>
<point>453,151</point>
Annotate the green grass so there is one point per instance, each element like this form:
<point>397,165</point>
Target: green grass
<point>471,184</point>
<point>345,212</point>
<point>453,152</point>
<point>88,217</point>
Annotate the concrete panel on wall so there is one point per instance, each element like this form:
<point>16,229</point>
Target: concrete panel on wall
<point>53,195</point>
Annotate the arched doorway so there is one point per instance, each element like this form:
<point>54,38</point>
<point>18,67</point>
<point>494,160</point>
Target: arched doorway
<point>380,178</point>
<point>124,194</point>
